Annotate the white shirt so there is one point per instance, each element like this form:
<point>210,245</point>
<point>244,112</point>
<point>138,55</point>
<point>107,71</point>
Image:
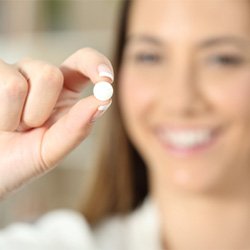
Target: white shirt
<point>68,230</point>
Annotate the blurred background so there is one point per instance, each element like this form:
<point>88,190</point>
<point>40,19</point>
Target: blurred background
<point>51,30</point>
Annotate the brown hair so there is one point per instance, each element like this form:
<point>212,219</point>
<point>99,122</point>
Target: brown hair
<point>120,182</point>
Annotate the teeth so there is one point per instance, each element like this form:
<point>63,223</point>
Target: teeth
<point>186,139</point>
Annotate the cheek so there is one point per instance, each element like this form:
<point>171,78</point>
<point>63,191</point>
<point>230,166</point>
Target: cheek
<point>233,98</point>
<point>136,96</point>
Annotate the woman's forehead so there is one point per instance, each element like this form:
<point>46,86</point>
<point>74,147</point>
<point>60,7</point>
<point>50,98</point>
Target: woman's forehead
<point>190,17</point>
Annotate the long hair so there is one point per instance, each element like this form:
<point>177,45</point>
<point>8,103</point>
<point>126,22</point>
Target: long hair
<point>120,181</point>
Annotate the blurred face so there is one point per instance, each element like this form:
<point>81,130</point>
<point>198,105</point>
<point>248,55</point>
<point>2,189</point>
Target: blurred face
<point>185,91</point>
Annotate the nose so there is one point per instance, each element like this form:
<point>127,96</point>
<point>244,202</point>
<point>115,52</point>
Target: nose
<point>182,92</point>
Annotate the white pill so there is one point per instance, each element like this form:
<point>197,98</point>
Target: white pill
<point>103,91</point>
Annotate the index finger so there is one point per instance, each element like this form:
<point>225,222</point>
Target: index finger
<point>84,65</point>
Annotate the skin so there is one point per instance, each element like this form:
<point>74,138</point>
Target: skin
<point>202,197</point>
<point>175,71</point>
<point>33,120</point>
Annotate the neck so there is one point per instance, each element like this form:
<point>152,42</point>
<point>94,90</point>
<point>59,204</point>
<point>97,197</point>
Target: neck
<point>218,221</point>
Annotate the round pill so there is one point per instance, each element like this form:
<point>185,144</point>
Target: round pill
<point>103,91</point>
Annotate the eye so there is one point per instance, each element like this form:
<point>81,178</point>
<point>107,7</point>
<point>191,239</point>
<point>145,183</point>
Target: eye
<point>148,58</point>
<point>226,60</point>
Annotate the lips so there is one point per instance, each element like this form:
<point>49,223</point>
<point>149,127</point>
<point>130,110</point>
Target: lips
<point>186,139</point>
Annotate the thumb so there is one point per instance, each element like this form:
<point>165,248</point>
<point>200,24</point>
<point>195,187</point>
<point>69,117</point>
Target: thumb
<point>64,135</point>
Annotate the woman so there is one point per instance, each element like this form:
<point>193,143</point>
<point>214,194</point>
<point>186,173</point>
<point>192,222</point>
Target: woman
<point>182,114</point>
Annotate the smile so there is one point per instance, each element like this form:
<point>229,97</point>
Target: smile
<point>186,141</point>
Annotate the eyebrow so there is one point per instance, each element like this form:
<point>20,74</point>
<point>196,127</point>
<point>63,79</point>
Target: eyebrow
<point>233,40</point>
<point>144,39</point>
<point>210,42</point>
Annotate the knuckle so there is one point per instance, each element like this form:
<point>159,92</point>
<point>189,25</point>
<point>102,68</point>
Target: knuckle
<point>88,51</point>
<point>4,64</point>
<point>85,50</point>
<point>16,86</point>
<point>52,74</point>
<point>25,60</point>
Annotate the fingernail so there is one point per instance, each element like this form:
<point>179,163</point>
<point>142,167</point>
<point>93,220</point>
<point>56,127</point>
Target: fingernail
<point>105,71</point>
<point>100,111</point>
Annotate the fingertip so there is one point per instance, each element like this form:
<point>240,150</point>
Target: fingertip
<point>105,71</point>
<point>86,64</point>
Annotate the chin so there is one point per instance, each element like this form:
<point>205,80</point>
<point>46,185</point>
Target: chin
<point>186,183</point>
<point>195,177</point>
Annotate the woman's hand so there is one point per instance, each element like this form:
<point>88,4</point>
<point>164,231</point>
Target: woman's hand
<point>41,115</point>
